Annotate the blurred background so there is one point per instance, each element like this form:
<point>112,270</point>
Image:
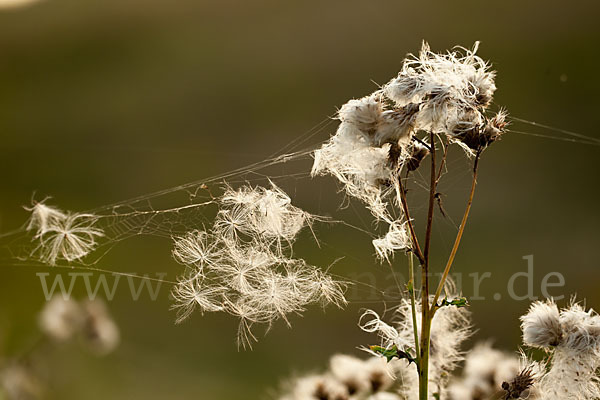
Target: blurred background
<point>105,100</point>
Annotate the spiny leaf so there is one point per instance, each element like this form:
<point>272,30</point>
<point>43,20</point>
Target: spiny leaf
<point>390,353</point>
<point>458,302</point>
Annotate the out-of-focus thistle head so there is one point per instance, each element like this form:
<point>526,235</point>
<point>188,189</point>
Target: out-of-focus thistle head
<point>572,328</point>
<point>61,319</point>
<point>572,337</point>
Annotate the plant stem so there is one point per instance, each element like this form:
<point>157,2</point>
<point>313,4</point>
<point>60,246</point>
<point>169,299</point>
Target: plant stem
<point>424,365</point>
<point>401,193</point>
<point>411,290</point>
<point>432,192</point>
<point>425,317</point>
<point>442,163</point>
<point>463,223</point>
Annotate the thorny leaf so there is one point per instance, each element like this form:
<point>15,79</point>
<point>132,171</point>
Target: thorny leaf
<point>458,302</point>
<point>392,352</point>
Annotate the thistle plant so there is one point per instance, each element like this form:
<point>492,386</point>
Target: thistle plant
<point>241,261</point>
<point>569,337</point>
<point>436,100</point>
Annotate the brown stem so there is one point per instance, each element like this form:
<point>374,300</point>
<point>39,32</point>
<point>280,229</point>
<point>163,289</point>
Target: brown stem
<point>425,312</point>
<point>432,192</point>
<point>442,163</point>
<point>401,193</point>
<point>463,223</point>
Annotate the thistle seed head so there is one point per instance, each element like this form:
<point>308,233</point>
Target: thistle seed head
<point>516,388</point>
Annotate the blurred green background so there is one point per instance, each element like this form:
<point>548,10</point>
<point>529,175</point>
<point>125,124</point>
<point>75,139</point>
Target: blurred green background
<point>105,100</point>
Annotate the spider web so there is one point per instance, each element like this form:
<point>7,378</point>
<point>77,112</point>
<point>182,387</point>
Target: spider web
<point>174,211</point>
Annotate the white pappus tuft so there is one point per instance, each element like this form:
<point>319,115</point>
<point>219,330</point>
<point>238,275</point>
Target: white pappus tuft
<point>62,235</point>
<point>541,325</point>
<point>397,238</point>
<point>242,266</point>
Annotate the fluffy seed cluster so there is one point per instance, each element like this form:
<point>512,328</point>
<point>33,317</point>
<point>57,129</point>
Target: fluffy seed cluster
<point>62,319</point>
<point>397,238</point>
<point>62,235</point>
<point>572,337</point>
<point>485,372</point>
<point>541,325</point>
<point>243,266</point>
<point>351,378</point>
<point>445,94</point>
<point>449,328</point>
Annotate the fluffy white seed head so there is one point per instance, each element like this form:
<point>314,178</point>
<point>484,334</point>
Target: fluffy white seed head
<point>44,217</point>
<point>317,387</point>
<point>365,114</point>
<point>359,166</point>
<point>385,396</point>
<point>481,362</point>
<point>353,378</point>
<point>100,332</point>
<point>571,328</point>
<point>380,374</point>
<point>243,265</point>
<point>581,329</point>
<point>195,248</point>
<point>264,212</point>
<point>484,371</point>
<point>464,79</point>
<point>397,238</point>
<point>61,318</point>
<point>445,94</point>
<point>541,325</point>
<point>61,235</point>
<point>193,293</point>
<point>351,372</point>
<point>572,336</point>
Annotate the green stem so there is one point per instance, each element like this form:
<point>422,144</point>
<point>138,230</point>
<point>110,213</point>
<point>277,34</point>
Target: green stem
<point>411,290</point>
<point>424,364</point>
